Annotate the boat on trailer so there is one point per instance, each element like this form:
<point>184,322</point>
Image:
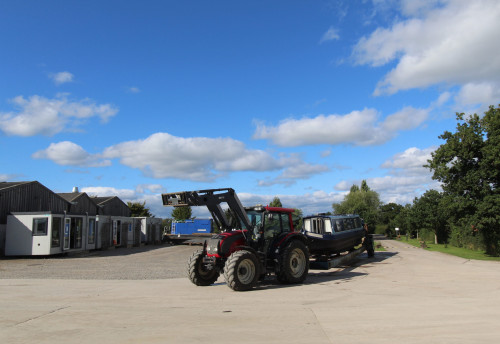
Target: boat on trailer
<point>333,234</point>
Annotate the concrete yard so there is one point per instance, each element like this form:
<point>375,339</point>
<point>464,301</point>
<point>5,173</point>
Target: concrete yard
<point>404,295</point>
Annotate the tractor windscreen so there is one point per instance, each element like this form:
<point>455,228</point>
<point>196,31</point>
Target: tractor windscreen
<point>255,218</point>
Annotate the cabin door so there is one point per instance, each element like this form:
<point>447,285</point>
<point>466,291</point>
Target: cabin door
<point>67,234</point>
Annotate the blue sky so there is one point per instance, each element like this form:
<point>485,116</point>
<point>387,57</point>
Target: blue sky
<point>296,99</point>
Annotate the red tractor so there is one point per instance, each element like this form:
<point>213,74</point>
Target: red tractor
<point>259,240</point>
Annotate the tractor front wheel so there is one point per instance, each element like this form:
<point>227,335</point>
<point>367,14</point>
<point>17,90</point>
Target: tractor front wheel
<point>294,263</point>
<point>242,270</point>
<point>198,272</point>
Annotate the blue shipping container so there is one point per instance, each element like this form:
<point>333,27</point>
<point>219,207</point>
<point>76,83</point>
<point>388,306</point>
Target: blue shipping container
<point>192,226</point>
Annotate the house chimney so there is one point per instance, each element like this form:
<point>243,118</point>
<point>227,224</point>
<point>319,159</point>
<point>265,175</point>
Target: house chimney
<point>75,189</point>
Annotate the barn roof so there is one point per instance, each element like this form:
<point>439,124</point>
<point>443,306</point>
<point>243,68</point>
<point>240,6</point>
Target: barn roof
<point>102,200</point>
<point>6,185</point>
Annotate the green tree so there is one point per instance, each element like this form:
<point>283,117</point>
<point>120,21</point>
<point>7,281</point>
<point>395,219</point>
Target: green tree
<point>388,213</point>
<point>182,213</point>
<point>138,209</point>
<point>232,219</point>
<point>406,221</point>
<point>362,201</point>
<point>430,209</point>
<point>297,219</point>
<point>276,202</point>
<point>468,166</point>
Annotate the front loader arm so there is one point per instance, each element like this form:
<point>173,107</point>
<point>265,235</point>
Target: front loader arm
<point>211,198</point>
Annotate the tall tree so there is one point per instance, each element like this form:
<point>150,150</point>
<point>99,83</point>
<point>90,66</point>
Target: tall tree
<point>468,165</point>
<point>430,209</point>
<point>182,213</point>
<point>388,213</point>
<point>297,219</point>
<point>406,221</point>
<point>362,201</point>
<point>276,202</point>
<point>138,209</point>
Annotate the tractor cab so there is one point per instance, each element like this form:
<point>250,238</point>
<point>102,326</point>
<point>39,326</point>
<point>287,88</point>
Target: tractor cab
<point>269,226</point>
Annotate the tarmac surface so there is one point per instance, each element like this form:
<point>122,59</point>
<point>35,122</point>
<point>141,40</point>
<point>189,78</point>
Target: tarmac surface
<point>403,295</point>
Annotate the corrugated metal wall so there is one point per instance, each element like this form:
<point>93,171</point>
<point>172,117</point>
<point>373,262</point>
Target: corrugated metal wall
<point>115,207</point>
<point>31,197</point>
<point>84,206</point>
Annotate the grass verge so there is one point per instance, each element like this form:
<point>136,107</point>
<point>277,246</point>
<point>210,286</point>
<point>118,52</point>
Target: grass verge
<point>455,251</point>
<point>378,246</point>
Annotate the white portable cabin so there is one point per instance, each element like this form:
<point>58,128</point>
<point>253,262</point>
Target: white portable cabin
<point>115,231</point>
<point>45,233</point>
<point>151,229</point>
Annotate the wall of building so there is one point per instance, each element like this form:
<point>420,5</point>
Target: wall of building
<point>31,196</point>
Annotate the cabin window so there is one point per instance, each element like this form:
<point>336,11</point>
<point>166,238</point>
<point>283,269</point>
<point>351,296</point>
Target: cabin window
<point>40,226</point>
<point>91,236</point>
<point>56,232</point>
<point>285,223</point>
<point>318,226</point>
<point>307,225</point>
<point>328,226</point>
<point>321,227</point>
<point>272,225</point>
<point>357,221</point>
<point>339,225</point>
<point>76,233</point>
<point>348,224</point>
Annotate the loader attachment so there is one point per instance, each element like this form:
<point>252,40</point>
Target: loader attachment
<point>211,198</point>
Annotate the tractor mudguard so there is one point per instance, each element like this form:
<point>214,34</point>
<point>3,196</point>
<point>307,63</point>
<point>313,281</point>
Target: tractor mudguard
<point>222,245</point>
<point>286,238</point>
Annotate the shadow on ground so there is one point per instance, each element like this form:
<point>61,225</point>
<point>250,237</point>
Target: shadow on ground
<point>342,274</point>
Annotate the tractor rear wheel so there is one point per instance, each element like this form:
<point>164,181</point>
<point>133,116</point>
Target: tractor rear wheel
<point>198,272</point>
<point>294,263</point>
<point>242,270</point>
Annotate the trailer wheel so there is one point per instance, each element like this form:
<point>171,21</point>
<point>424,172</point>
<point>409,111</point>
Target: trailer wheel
<point>294,263</point>
<point>242,270</point>
<point>370,250</point>
<point>198,272</point>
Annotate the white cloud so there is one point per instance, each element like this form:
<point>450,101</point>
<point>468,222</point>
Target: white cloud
<point>310,203</point>
<point>354,128</point>
<point>4,177</point>
<point>61,77</point>
<point>38,115</point>
<point>406,119</point>
<point>411,161</point>
<point>330,35</point>
<point>134,90</point>
<point>162,155</point>
<point>451,42</point>
<point>419,7</point>
<point>296,169</point>
<point>406,179</point>
<point>360,128</point>
<point>149,188</point>
<point>477,97</point>
<point>326,153</point>
<point>104,191</point>
<point>68,153</point>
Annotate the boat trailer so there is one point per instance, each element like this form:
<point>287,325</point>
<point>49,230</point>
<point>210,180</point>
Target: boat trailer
<point>326,263</point>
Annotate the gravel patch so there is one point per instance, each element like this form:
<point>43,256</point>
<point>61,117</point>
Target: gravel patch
<point>137,263</point>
